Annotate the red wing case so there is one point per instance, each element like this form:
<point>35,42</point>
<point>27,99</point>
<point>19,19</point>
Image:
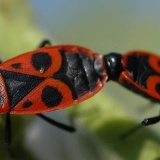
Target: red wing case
<point>142,73</point>
<point>51,78</point>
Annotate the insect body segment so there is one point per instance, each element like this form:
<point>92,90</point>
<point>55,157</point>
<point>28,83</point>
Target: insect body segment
<point>136,70</point>
<point>143,74</point>
<point>50,78</point>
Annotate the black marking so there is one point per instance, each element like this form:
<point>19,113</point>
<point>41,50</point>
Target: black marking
<point>139,69</point>
<point>158,88</point>
<point>136,90</point>
<point>80,71</point>
<point>76,73</point>
<point>2,99</point>
<point>64,78</point>
<point>27,104</point>
<point>18,85</point>
<point>19,76</point>
<point>51,96</point>
<point>72,67</point>
<point>133,66</point>
<point>41,60</point>
<point>16,65</point>
<point>91,74</point>
<point>64,65</point>
<point>159,63</point>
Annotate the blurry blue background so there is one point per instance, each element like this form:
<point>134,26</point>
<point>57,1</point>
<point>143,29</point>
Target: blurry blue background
<point>101,25</point>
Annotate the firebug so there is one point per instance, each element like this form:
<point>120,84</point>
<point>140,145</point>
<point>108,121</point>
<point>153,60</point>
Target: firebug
<point>55,77</point>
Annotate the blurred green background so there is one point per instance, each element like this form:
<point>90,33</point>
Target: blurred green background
<point>103,26</point>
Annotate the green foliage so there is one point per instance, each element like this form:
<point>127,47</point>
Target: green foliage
<point>106,121</point>
<point>17,30</point>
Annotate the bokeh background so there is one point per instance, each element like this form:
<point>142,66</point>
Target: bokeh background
<point>103,26</point>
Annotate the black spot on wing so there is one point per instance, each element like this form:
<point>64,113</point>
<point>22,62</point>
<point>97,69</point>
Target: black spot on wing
<point>41,60</point>
<point>16,65</point>
<point>51,96</point>
<point>27,104</point>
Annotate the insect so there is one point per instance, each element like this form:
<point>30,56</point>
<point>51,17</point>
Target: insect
<point>55,77</point>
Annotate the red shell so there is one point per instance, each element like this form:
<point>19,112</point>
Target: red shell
<point>148,73</point>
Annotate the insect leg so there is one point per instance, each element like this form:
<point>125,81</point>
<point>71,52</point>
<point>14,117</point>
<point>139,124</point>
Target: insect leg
<point>130,132</point>
<point>145,122</point>
<point>150,121</point>
<point>57,124</point>
<point>8,129</point>
<point>44,43</point>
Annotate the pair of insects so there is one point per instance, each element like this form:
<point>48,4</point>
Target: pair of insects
<point>55,77</point>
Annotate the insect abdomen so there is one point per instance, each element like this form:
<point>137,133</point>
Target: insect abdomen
<point>79,68</point>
